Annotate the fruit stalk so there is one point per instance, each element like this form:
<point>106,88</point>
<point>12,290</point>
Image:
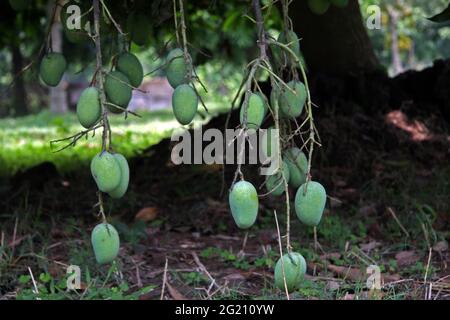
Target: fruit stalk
<point>99,85</point>
<point>281,255</point>
<point>99,77</point>
<point>261,32</point>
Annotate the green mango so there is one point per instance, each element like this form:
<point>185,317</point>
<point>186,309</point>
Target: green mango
<point>319,7</point>
<point>176,69</point>
<point>292,103</point>
<point>105,242</point>
<point>184,103</point>
<point>52,68</point>
<point>339,3</point>
<point>139,28</point>
<point>255,112</point>
<point>298,166</point>
<point>129,65</point>
<point>281,55</point>
<point>309,206</point>
<point>88,107</point>
<point>294,271</point>
<point>275,183</point>
<point>244,204</point>
<point>118,90</point>
<point>70,22</point>
<point>106,171</point>
<point>124,177</point>
<point>19,5</point>
<point>266,102</point>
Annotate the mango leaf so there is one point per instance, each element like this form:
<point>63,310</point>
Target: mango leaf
<point>444,16</point>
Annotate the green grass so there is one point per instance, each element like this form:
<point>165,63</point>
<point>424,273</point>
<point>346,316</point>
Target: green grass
<point>25,142</point>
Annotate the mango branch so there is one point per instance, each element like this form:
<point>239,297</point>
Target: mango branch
<point>75,138</point>
<point>99,85</point>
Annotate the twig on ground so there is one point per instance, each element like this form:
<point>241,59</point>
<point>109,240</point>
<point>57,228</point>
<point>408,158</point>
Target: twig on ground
<point>164,279</point>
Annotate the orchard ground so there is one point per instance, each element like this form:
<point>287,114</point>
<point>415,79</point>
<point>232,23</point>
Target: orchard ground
<point>388,207</point>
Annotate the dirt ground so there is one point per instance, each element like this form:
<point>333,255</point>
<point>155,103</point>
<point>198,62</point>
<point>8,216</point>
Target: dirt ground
<point>386,171</point>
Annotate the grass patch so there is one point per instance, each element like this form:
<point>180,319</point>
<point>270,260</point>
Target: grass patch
<point>25,141</point>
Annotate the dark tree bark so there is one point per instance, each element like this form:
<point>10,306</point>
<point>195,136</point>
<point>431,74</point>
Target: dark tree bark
<point>335,42</point>
<point>20,106</point>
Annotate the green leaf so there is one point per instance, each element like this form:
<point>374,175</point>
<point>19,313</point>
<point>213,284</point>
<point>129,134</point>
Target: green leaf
<point>24,279</point>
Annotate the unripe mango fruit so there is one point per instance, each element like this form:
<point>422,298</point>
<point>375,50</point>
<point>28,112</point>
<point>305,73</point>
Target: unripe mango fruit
<point>275,182</point>
<point>255,112</point>
<point>105,242</point>
<point>19,5</point>
<point>319,6</point>
<point>282,56</point>
<point>298,166</point>
<point>52,68</point>
<point>184,103</point>
<point>339,3</point>
<point>124,177</point>
<point>106,171</point>
<point>129,65</point>
<point>88,107</point>
<point>292,101</point>
<point>118,90</point>
<point>294,271</point>
<point>176,69</point>
<point>309,205</point>
<point>244,204</point>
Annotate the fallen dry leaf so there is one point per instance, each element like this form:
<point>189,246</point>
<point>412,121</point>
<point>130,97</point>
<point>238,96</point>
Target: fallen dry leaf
<point>406,258</point>
<point>368,210</point>
<point>235,277</point>
<point>349,273</point>
<point>333,285</point>
<point>174,293</point>
<point>441,246</point>
<point>366,247</point>
<point>147,214</point>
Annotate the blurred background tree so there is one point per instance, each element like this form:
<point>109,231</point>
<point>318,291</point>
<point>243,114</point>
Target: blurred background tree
<point>222,41</point>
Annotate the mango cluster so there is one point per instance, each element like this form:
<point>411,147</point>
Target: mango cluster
<point>119,84</point>
<point>111,173</point>
<point>184,97</point>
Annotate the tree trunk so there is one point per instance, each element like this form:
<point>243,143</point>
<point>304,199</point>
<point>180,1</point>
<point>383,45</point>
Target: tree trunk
<point>397,66</point>
<point>20,106</point>
<point>335,42</point>
<point>58,95</point>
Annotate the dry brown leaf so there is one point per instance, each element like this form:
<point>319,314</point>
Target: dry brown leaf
<point>368,210</point>
<point>441,246</point>
<point>147,214</point>
<point>386,278</point>
<point>174,293</point>
<point>235,277</point>
<point>369,246</point>
<point>406,258</point>
<point>349,273</point>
